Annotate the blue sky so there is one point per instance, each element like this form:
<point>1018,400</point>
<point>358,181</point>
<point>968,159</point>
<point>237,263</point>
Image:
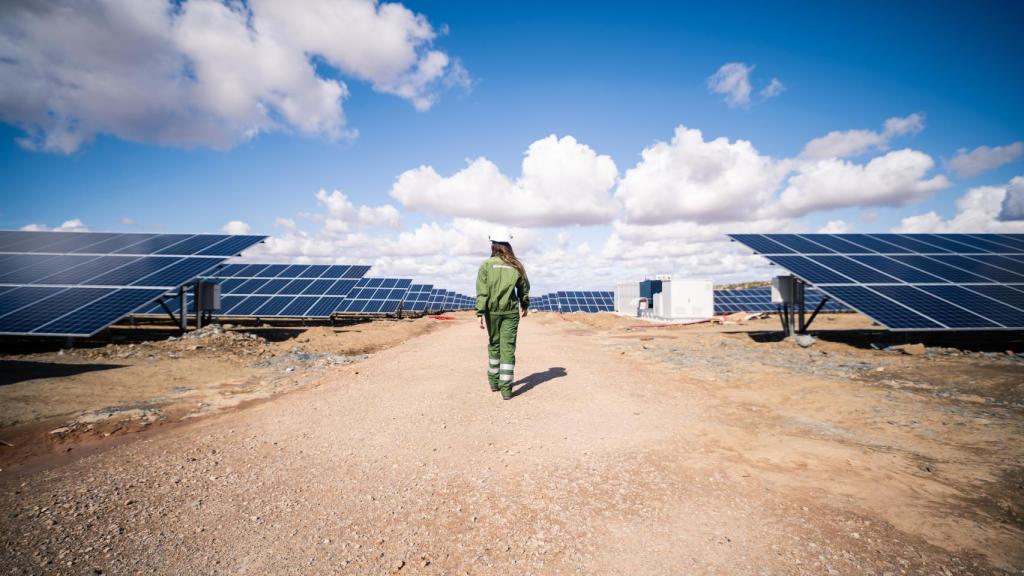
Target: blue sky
<point>617,78</point>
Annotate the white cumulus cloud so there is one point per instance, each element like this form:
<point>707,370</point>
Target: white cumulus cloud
<point>562,182</point>
<point>342,214</point>
<point>894,179</point>
<point>1013,203</point>
<point>732,80</point>
<point>236,227</point>
<point>841,144</point>
<point>73,225</point>
<point>980,209</point>
<point>836,227</point>
<point>689,178</point>
<point>204,72</point>
<point>773,89</point>
<point>984,158</point>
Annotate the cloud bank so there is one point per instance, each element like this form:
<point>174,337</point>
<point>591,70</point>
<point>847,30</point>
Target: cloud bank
<point>204,72</point>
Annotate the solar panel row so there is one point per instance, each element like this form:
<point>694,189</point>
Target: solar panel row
<point>375,296</point>
<point>77,283</point>
<point>417,298</point>
<point>760,300</point>
<point>911,281</point>
<point>25,242</point>
<point>276,290</point>
<point>575,301</point>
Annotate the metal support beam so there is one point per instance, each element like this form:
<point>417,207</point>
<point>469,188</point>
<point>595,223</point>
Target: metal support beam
<point>168,311</point>
<point>821,305</point>
<point>197,299</point>
<point>183,311</point>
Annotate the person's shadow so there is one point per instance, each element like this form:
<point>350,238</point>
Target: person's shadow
<point>537,378</point>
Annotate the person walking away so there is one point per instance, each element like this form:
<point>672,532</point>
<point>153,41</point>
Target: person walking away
<point>502,298</point>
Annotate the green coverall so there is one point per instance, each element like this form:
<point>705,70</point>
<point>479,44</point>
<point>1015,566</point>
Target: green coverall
<point>500,293</point>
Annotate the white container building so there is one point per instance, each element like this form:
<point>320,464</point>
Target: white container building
<point>685,300</point>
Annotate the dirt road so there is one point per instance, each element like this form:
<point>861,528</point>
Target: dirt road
<point>605,462</point>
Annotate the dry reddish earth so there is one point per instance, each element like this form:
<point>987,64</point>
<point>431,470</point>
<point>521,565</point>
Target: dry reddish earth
<point>627,450</point>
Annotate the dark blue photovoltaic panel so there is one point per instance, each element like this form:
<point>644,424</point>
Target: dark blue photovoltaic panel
<point>298,306</point>
<point>981,268</point>
<point>79,270</point>
<point>193,245</point>
<point>853,270</point>
<point>231,247</point>
<point>1012,295</point>
<point>297,287</point>
<point>357,272</point>
<point>248,287</point>
<point>294,271</point>
<point>111,245</point>
<point>334,272</point>
<point>809,271</point>
<point>341,287</point>
<point>178,273</point>
<point>251,271</point>
<point>882,309</point>
<point>249,305</point>
<point>133,270</point>
<point>230,270</point>
<point>269,288</point>
<point>28,318</point>
<point>318,287</point>
<point>32,269</point>
<point>985,246</point>
<point>100,313</point>
<point>1002,314</point>
<point>227,304</point>
<point>897,269</point>
<point>873,243</point>
<point>837,244</point>
<point>154,244</point>
<point>759,244</point>
<point>92,267</point>
<point>326,306</point>
<point>952,281</point>
<point>934,308</point>
<point>798,244</point>
<point>951,246</point>
<point>273,306</point>
<point>908,243</point>
<point>314,271</point>
<point>1014,239</point>
<point>16,298</point>
<point>937,268</point>
<point>375,296</point>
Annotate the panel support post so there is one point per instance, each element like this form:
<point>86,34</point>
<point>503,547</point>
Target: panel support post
<point>197,299</point>
<point>183,311</point>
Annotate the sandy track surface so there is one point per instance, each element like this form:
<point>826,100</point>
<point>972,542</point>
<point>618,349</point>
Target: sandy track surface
<point>603,463</point>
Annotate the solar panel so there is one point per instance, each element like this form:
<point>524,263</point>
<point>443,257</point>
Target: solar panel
<point>417,298</point>
<point>760,300</point>
<point>375,296</point>
<point>78,283</point>
<point>276,290</point>
<point>586,301</point>
<point>910,281</point>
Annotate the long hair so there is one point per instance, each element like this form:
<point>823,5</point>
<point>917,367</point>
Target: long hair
<point>504,251</point>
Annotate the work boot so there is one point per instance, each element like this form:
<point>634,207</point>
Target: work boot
<point>506,394</point>
<point>494,388</point>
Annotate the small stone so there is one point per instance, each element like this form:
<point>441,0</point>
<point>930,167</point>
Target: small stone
<point>804,340</point>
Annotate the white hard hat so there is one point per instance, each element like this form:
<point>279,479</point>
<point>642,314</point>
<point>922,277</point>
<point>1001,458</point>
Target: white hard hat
<point>500,235</point>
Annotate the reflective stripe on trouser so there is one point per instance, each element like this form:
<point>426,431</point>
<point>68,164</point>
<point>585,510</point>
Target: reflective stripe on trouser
<point>492,371</point>
<point>501,333</point>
